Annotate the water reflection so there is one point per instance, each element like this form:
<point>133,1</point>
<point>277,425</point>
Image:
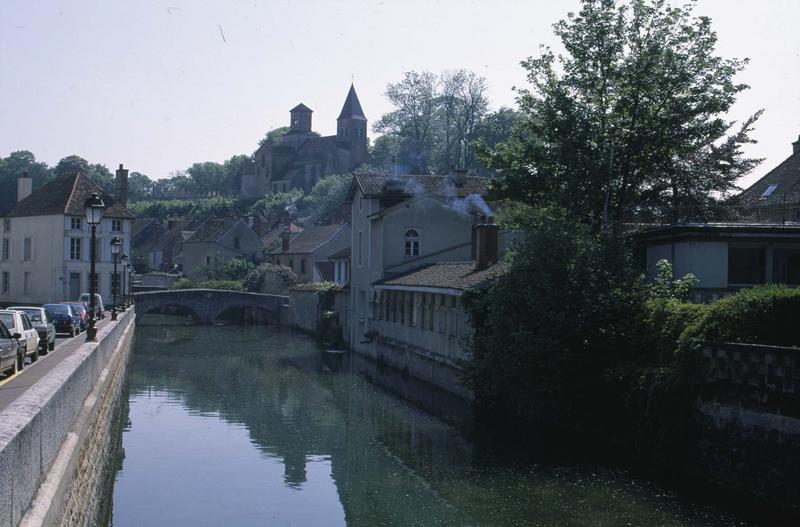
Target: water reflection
<point>250,426</point>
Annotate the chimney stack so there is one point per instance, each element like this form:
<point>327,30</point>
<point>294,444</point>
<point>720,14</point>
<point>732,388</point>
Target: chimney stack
<point>485,236</point>
<point>796,145</point>
<point>285,236</point>
<point>121,186</point>
<point>457,177</point>
<point>24,186</point>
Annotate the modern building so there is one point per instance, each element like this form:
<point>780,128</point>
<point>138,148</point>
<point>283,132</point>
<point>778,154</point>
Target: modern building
<point>307,253</point>
<point>775,198</point>
<point>46,243</point>
<point>302,157</point>
<point>724,257</point>
<point>219,239</point>
<point>416,247</point>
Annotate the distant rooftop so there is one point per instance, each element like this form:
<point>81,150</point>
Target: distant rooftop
<point>459,276</point>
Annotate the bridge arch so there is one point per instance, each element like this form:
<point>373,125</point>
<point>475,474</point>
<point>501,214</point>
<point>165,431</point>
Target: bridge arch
<point>171,309</point>
<point>207,306</point>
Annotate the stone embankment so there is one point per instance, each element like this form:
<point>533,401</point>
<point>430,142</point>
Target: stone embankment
<point>55,438</point>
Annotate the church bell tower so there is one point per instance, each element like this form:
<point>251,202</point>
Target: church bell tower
<point>352,129</point>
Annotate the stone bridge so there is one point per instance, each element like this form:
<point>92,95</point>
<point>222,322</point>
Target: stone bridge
<point>206,305</point>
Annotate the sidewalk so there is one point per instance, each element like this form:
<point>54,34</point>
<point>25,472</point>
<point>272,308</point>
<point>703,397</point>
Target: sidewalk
<point>12,388</point>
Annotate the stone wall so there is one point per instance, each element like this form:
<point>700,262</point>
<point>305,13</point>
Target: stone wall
<point>53,436</point>
<point>304,308</point>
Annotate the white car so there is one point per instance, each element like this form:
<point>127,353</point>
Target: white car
<point>18,322</point>
<point>98,303</point>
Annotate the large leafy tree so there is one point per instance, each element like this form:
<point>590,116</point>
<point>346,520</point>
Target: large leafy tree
<point>630,120</point>
<point>12,167</point>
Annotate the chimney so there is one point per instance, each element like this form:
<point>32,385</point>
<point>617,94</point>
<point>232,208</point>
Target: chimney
<point>457,177</point>
<point>796,145</point>
<point>285,236</point>
<point>485,236</point>
<point>24,186</point>
<point>121,186</point>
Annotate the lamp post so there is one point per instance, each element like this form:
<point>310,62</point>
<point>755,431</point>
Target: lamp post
<point>116,246</point>
<point>130,283</point>
<point>124,291</point>
<point>93,207</point>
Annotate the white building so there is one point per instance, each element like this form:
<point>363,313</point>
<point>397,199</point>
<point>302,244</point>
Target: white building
<point>405,299</point>
<point>46,243</point>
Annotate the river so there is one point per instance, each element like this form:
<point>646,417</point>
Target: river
<point>241,426</point>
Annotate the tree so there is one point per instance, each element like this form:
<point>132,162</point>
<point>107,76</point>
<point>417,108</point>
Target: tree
<point>140,187</point>
<point>274,136</point>
<point>12,167</point>
<point>96,172</point>
<point>327,196</point>
<point>630,118</point>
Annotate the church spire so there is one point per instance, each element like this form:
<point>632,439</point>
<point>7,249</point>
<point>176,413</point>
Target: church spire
<point>352,107</point>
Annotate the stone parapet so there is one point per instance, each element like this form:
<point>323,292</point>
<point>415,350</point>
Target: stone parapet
<point>43,433</point>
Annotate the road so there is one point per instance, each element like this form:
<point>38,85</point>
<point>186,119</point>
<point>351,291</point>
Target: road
<point>15,385</point>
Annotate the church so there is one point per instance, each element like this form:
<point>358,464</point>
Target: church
<point>302,156</point>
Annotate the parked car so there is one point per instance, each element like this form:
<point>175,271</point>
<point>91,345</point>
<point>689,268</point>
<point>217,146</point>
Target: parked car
<point>98,304</point>
<point>43,326</point>
<point>82,311</point>
<point>10,358</point>
<point>18,322</point>
<point>64,318</point>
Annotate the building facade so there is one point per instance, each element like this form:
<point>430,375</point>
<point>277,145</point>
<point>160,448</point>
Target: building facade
<point>219,239</point>
<point>308,252</point>
<point>775,198</point>
<point>302,157</point>
<point>724,257</point>
<point>46,243</point>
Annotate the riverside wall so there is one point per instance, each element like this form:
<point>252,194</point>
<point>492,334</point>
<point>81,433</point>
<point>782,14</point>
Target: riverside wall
<point>55,438</point>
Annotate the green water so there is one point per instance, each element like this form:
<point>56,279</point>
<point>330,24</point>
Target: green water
<point>248,426</point>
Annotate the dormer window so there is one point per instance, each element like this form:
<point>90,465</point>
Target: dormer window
<point>412,242</point>
<point>770,189</point>
<point>75,224</point>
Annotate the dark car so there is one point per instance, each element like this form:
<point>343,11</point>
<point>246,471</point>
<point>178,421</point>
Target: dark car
<point>64,318</point>
<point>82,311</point>
<point>10,359</point>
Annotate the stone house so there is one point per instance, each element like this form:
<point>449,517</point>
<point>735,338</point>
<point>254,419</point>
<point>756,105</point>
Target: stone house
<point>302,157</point>
<point>219,239</point>
<point>724,257</point>
<point>178,231</point>
<point>307,253</point>
<point>414,238</point>
<point>46,243</point>
<point>148,242</point>
<point>775,198</point>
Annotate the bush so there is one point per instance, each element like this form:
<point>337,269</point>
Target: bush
<point>235,269</point>
<point>759,315</point>
<point>184,283</point>
<point>225,285</point>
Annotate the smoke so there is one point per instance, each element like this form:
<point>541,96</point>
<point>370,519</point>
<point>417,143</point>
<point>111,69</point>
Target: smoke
<point>471,202</point>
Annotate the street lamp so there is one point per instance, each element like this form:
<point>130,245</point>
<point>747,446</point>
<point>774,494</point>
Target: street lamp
<point>116,246</point>
<point>93,207</point>
<point>124,272</point>
<point>130,283</point>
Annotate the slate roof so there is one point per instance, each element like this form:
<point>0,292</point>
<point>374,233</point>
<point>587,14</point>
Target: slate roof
<point>339,255</point>
<point>352,107</point>
<point>301,108</point>
<point>447,275</point>
<point>371,185</point>
<point>212,229</point>
<point>66,194</point>
<point>177,231</point>
<point>787,178</point>
<point>311,239</point>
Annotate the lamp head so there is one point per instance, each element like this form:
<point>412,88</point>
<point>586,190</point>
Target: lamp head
<point>93,208</point>
<point>116,245</point>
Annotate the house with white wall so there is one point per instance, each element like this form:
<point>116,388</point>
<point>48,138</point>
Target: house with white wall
<point>724,257</point>
<point>217,240</point>
<point>414,240</point>
<point>46,243</point>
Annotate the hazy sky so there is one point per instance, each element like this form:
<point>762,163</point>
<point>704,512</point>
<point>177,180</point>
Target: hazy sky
<point>159,85</point>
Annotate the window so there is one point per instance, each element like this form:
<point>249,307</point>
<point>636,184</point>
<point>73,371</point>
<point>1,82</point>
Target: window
<point>116,225</point>
<point>746,265</point>
<point>412,242</point>
<point>786,266</point>
<point>74,248</point>
<point>6,225</point>
<point>26,283</point>
<point>360,248</point>
<point>6,249</point>
<point>75,224</point>
<point>28,249</point>
<point>291,264</point>
<point>6,282</point>
<point>768,192</point>
<point>236,243</point>
<point>302,265</point>
<point>208,259</point>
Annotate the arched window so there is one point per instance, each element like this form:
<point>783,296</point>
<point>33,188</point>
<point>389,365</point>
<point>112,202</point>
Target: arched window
<point>412,242</point>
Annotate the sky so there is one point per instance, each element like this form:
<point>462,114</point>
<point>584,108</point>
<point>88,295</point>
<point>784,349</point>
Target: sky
<point>159,85</point>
